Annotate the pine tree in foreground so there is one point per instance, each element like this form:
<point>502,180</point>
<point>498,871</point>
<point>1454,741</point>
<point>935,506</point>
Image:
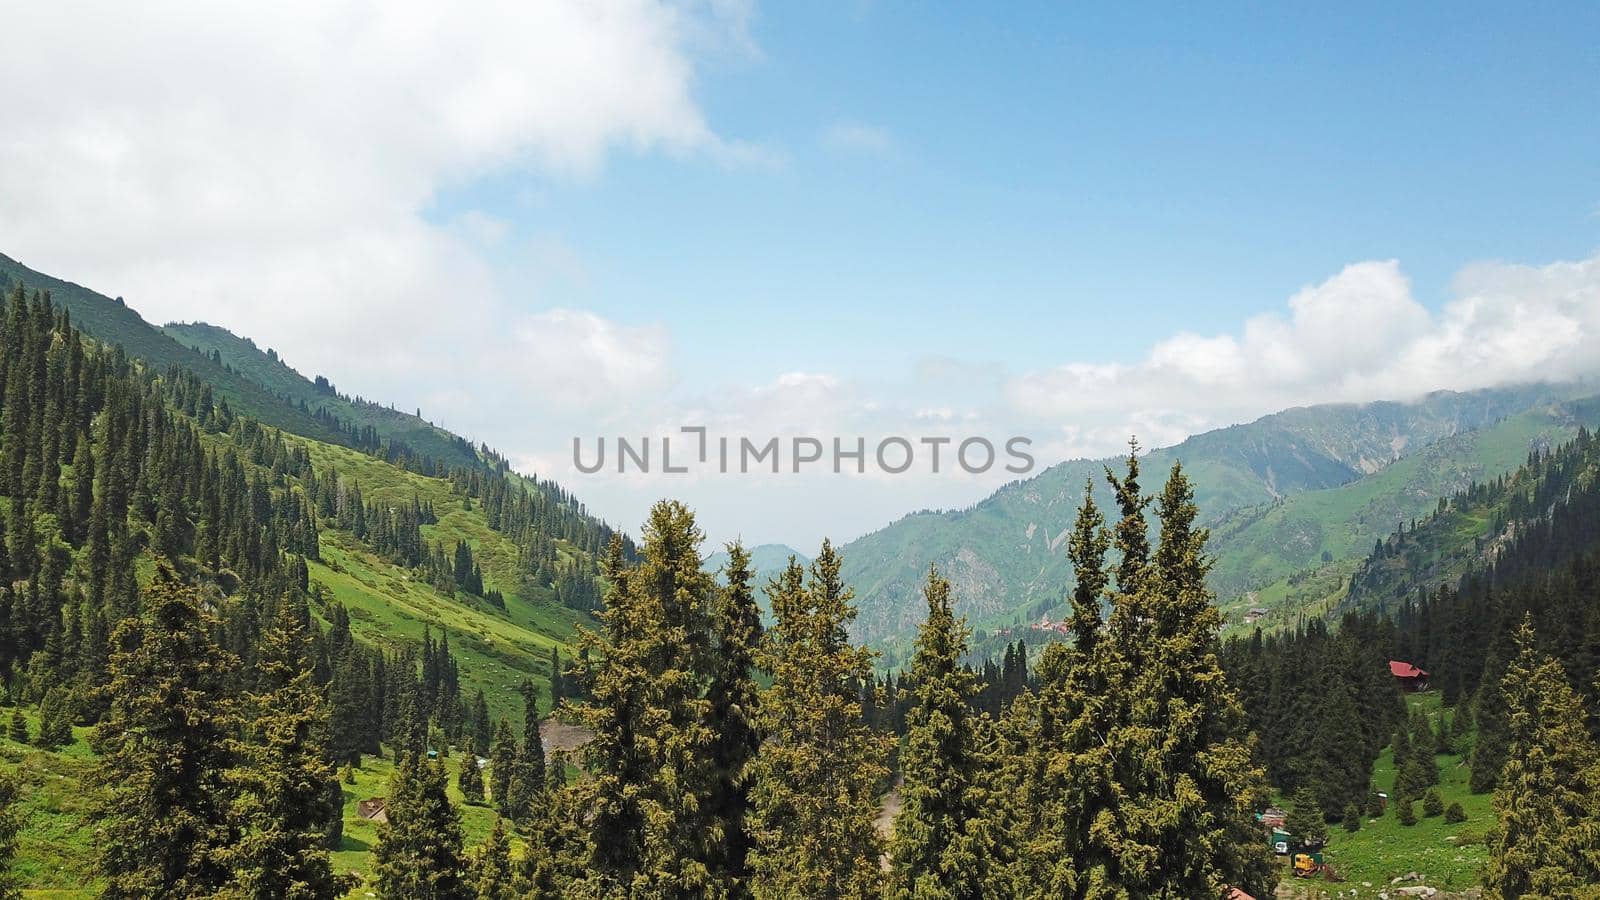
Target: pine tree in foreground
<point>18,730</point>
<point>1183,758</point>
<point>419,849</point>
<point>818,773</point>
<point>163,753</point>
<point>285,781</point>
<point>649,762</point>
<point>937,851</point>
<point>1546,842</point>
<point>732,718</point>
<point>1054,769</point>
<point>557,851</point>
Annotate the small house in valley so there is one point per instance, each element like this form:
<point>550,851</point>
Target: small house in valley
<point>1410,677</point>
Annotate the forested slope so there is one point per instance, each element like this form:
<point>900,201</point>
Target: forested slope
<point>1278,493</point>
<point>449,598</point>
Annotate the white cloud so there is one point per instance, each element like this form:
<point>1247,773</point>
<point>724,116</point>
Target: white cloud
<point>1358,336</point>
<point>267,166</point>
<point>585,359</point>
<point>858,138</point>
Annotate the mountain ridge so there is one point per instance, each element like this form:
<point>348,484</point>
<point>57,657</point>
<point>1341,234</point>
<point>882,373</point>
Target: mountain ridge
<point>1004,553</point>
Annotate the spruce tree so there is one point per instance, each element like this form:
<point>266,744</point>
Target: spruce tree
<point>818,773</point>
<point>1432,803</point>
<point>1182,754</point>
<point>164,752</point>
<point>1407,812</point>
<point>285,778</point>
<point>1053,765</point>
<point>530,757</point>
<point>1305,820</point>
<point>1546,842</point>
<point>1352,817</point>
<point>502,766</point>
<point>419,849</point>
<point>1489,713</point>
<point>649,760</point>
<point>938,851</point>
<point>18,730</point>
<point>732,719</point>
<point>55,720</point>
<point>470,780</point>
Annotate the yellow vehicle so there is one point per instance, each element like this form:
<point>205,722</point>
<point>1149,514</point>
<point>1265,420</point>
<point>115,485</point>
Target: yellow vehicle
<point>1307,864</point>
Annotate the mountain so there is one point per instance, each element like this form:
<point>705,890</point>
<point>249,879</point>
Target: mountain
<point>1501,528</point>
<point>1294,490</point>
<point>264,367</point>
<point>533,544</point>
<point>254,383</point>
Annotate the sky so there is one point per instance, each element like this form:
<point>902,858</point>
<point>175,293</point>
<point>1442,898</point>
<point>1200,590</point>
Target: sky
<point>553,220</point>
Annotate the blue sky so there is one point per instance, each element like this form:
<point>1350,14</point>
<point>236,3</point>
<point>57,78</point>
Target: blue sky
<point>564,218</point>
<point>1060,181</point>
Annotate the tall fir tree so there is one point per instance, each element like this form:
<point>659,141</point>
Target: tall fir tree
<point>285,782</point>
<point>732,717</point>
<point>938,851</point>
<point>419,852</point>
<point>502,766</point>
<point>1546,842</point>
<point>1184,767</point>
<point>818,773</point>
<point>164,753</point>
<point>649,760</point>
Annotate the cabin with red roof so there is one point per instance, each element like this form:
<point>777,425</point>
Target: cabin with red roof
<point>1410,677</point>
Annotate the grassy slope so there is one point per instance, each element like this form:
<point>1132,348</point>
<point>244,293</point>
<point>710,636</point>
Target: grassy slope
<point>1448,857</point>
<point>495,649</point>
<point>55,855</point>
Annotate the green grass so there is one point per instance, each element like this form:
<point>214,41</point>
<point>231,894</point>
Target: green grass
<point>388,605</point>
<point>1448,857</point>
<point>56,846</point>
<point>56,849</point>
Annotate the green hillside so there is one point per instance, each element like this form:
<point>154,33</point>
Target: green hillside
<point>1006,555</point>
<point>1470,528</point>
<point>125,475</point>
<point>253,383</point>
<point>265,368</point>
<point>1296,556</point>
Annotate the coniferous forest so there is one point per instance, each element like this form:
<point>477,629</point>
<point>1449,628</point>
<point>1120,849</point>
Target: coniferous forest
<point>204,701</point>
